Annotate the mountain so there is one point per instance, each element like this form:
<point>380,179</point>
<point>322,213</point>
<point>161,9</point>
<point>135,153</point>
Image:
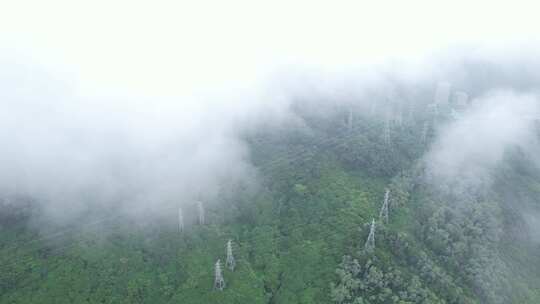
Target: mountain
<point>299,232</point>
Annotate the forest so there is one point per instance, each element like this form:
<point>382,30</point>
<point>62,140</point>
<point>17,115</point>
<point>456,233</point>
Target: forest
<point>348,206</point>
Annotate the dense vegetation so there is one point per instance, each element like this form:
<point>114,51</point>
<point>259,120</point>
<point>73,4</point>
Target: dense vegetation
<point>299,236</point>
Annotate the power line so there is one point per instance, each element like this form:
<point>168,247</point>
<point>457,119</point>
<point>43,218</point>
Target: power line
<point>174,236</point>
<point>273,164</point>
<point>268,166</point>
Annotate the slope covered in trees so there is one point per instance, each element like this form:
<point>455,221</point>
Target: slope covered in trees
<point>299,236</point>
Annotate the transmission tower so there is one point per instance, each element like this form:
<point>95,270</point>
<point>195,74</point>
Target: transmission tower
<point>399,116</point>
<point>461,99</point>
<point>200,209</point>
<point>433,110</point>
<point>370,243</point>
<point>383,214</point>
<point>386,132</point>
<point>219,282</point>
<point>372,108</point>
<point>425,130</point>
<point>442,93</point>
<point>180,220</point>
<point>350,120</point>
<point>230,262</point>
<point>410,112</point>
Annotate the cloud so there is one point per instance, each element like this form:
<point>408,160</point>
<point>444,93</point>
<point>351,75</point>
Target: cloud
<point>73,153</point>
<point>147,104</point>
<point>468,149</point>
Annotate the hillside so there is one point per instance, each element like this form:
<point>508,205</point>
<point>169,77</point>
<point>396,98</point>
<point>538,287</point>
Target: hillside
<point>299,235</point>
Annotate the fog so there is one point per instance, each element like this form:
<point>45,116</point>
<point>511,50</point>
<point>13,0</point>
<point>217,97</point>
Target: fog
<point>72,154</point>
<point>468,149</point>
<point>150,112</point>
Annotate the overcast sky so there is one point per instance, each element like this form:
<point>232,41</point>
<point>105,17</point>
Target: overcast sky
<point>174,48</point>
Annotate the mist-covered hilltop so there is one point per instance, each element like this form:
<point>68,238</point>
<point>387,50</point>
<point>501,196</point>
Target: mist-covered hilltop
<point>370,190</point>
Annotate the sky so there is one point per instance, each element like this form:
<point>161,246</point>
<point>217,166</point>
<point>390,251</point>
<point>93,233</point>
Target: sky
<point>185,48</point>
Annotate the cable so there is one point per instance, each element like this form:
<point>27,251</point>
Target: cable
<point>295,156</point>
<point>268,166</point>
